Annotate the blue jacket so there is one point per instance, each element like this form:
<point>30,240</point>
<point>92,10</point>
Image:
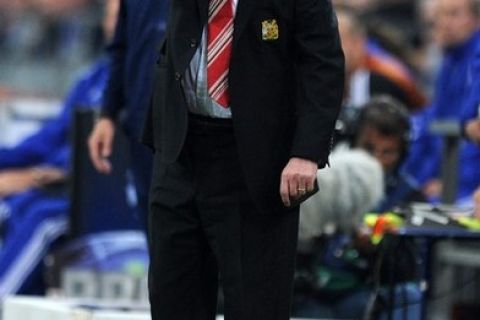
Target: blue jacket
<point>400,188</point>
<point>50,146</point>
<point>455,81</point>
<point>140,27</point>
<point>470,157</point>
<point>472,103</point>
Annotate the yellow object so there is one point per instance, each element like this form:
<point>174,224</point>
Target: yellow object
<point>394,220</point>
<point>270,30</point>
<point>380,223</point>
<point>469,223</point>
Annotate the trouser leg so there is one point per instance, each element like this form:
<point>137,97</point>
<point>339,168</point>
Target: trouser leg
<point>182,273</point>
<point>255,252</point>
<point>202,215</point>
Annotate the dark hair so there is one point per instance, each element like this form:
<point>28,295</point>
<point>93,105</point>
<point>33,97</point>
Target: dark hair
<point>389,117</point>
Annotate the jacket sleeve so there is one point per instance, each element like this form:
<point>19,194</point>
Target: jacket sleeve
<point>319,64</point>
<point>39,147</point>
<point>35,149</point>
<point>471,107</point>
<point>60,159</point>
<point>472,103</point>
<point>114,97</point>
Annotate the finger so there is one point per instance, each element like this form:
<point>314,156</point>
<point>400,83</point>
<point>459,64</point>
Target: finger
<point>106,146</point>
<point>95,147</point>
<point>309,184</point>
<point>284,192</point>
<point>106,152</point>
<point>97,159</point>
<point>106,166</point>
<point>302,186</point>
<point>293,186</point>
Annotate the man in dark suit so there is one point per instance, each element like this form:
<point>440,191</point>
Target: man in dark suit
<point>245,100</point>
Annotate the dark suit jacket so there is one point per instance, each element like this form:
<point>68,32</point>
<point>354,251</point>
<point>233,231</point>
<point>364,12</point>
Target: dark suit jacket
<point>285,94</point>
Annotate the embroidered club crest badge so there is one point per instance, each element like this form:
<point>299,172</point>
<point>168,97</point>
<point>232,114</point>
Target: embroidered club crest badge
<point>270,30</point>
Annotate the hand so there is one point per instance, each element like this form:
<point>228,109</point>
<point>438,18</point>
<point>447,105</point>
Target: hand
<point>15,181</point>
<point>298,178</point>
<point>100,145</point>
<point>472,130</point>
<point>19,180</point>
<point>433,189</point>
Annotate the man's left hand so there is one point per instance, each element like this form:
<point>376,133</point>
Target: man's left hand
<point>298,178</point>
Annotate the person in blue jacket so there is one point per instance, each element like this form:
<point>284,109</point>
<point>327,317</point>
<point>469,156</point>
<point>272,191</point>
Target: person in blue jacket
<point>470,117</point>
<point>335,270</point>
<point>33,211</point>
<point>457,31</point>
<point>140,28</point>
<point>470,122</point>
<point>34,216</point>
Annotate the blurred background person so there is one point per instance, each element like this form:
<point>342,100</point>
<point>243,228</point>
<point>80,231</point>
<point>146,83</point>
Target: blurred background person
<point>427,53</point>
<point>470,122</point>
<point>133,51</point>
<point>364,179</point>
<point>395,25</point>
<point>456,30</point>
<point>470,114</point>
<point>370,71</point>
<point>33,197</point>
<point>384,131</point>
<point>44,43</point>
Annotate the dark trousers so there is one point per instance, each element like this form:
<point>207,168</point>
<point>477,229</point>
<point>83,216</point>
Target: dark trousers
<point>202,223</point>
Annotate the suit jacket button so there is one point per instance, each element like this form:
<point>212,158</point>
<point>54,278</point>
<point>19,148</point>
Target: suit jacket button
<point>193,43</point>
<point>178,76</point>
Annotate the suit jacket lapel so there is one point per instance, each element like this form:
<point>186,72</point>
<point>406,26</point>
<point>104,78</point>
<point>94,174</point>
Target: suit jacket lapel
<point>203,11</point>
<point>244,9</point>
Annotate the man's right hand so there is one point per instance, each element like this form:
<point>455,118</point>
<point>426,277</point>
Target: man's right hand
<point>100,145</point>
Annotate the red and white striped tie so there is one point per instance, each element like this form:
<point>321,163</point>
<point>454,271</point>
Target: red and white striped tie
<point>219,49</point>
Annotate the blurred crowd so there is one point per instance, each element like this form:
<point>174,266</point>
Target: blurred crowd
<point>43,43</point>
<point>409,64</point>
<point>424,55</point>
